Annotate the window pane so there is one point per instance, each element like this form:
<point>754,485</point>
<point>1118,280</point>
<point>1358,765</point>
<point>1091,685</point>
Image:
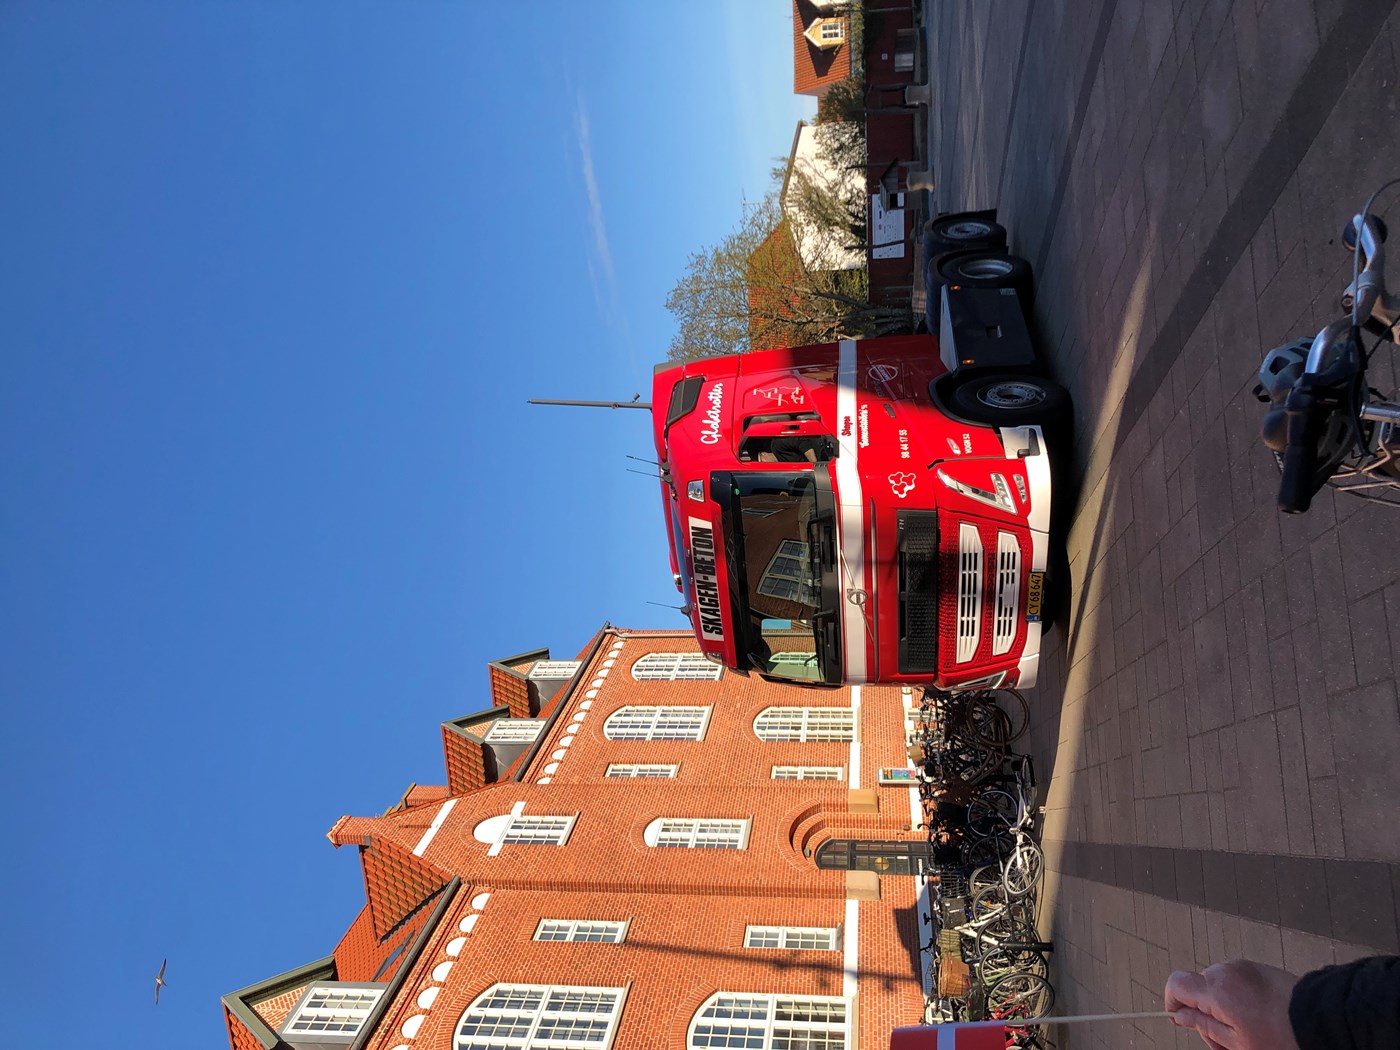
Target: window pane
<point>656,723</point>
<point>545,1016</point>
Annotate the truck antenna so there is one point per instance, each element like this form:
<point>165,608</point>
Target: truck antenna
<point>636,402</point>
<point>639,459</point>
<point>684,610</point>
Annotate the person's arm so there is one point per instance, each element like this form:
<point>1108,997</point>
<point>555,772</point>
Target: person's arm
<point>1244,1005</point>
<point>1355,1006</point>
<point>1238,1005</point>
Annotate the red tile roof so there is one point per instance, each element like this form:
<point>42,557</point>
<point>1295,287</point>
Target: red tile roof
<point>814,69</point>
<point>396,883</point>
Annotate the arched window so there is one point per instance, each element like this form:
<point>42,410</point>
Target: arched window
<point>771,1022</point>
<point>887,856</point>
<point>693,833</point>
<point>534,1016</point>
<point>657,723</point>
<point>672,667</point>
<point>806,724</point>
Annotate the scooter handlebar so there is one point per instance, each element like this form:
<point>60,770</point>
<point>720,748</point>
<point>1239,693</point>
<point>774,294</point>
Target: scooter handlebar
<point>1299,482</point>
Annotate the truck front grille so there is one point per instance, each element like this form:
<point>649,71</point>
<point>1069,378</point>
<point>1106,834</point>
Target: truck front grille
<point>917,551</point>
<point>969,592</point>
<point>1008,594</point>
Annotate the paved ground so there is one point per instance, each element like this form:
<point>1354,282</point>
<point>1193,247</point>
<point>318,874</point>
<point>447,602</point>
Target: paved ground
<point>1219,710</point>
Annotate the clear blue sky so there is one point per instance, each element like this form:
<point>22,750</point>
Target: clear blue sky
<point>275,282</point>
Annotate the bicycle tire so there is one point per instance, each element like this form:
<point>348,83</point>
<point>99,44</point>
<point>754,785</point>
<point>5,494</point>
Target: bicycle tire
<point>987,875</point>
<point>1013,703</point>
<point>993,810</point>
<point>987,852</point>
<point>1023,868</point>
<point>1020,995</point>
<point>972,763</point>
<point>1008,930</point>
<point>999,961</point>
<point>986,723</point>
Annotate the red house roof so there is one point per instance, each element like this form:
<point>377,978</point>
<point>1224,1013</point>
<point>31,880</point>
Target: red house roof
<point>814,69</point>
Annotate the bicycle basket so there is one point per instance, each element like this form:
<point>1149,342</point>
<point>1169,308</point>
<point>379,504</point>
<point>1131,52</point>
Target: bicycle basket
<point>954,978</point>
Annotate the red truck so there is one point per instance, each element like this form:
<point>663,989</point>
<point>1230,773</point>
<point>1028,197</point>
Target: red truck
<point>873,510</point>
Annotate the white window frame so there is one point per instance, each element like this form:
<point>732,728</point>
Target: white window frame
<point>647,722</point>
<point>332,1010</point>
<point>784,582</point>
<point>794,937</point>
<point>528,1008</point>
<point>642,770</point>
<point>738,1017</point>
<point>836,24</point>
<point>500,831</point>
<point>676,667</point>
<point>585,931</point>
<point>809,772</point>
<point>514,731</point>
<point>806,724</point>
<point>538,830</point>
<point>554,669</point>
<point>698,833</point>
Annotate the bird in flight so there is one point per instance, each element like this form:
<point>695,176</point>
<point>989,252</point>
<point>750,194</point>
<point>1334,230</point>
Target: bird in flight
<point>160,979</point>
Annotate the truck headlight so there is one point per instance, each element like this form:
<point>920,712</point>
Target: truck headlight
<point>1000,499</point>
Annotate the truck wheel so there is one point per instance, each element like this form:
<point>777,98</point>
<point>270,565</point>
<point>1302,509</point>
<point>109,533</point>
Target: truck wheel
<point>986,269</point>
<point>1010,400</point>
<point>963,232</point>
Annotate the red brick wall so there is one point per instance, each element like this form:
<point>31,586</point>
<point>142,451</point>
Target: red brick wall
<point>687,907</point>
<point>274,1011</point>
<point>890,138</point>
<point>882,28</point>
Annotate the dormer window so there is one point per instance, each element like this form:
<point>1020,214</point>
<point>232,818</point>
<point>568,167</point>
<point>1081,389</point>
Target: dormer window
<point>827,33</point>
<point>331,1012</point>
<point>513,731</point>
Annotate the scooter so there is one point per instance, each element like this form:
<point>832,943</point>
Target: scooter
<point>1326,425</point>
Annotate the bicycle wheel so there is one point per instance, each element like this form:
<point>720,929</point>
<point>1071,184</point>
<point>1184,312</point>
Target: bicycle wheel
<point>970,763</point>
<point>1013,938</point>
<point>999,961</point>
<point>988,852</point>
<point>1012,702</point>
<point>985,902</point>
<point>993,811</point>
<point>984,877</point>
<point>1023,868</point>
<point>1020,995</point>
<point>986,723</point>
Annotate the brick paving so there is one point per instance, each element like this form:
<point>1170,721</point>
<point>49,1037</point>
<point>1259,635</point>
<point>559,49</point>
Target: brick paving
<point>1217,720</point>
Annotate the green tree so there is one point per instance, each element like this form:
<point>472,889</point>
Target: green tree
<point>751,291</point>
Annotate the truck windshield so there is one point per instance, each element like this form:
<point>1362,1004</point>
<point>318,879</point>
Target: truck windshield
<point>778,536</point>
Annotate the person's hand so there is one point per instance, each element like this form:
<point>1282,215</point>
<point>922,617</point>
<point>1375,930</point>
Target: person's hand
<point>1238,1005</point>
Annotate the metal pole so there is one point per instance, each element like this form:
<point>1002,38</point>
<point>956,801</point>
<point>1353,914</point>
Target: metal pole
<point>595,404</point>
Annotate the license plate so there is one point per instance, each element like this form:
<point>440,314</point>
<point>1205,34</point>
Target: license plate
<point>1035,594</point>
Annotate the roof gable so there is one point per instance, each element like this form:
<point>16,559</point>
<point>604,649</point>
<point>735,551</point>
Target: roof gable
<point>815,68</point>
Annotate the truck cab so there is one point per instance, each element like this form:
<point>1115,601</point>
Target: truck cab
<point>862,511</point>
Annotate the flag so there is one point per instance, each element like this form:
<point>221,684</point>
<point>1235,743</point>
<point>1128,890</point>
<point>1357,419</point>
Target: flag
<point>949,1037</point>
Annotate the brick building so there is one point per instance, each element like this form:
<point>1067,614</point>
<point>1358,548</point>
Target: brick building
<point>633,849</point>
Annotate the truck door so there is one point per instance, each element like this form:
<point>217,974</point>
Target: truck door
<point>791,437</point>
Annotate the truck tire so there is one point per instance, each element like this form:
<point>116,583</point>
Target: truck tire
<point>960,231</point>
<point>1010,400</point>
<point>990,269</point>
<point>986,269</point>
